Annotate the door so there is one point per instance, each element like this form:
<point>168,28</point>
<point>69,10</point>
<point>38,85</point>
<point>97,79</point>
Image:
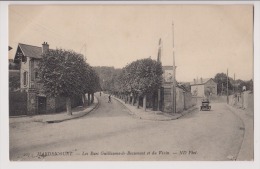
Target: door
<point>41,105</point>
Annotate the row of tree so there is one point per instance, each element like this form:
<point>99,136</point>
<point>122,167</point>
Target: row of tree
<point>137,79</point>
<point>233,85</point>
<point>65,73</point>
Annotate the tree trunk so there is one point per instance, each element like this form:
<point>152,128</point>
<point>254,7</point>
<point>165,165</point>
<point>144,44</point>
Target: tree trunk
<point>88,98</point>
<point>133,100</point>
<point>138,97</point>
<point>159,99</point>
<point>68,106</point>
<point>92,98</point>
<point>85,100</point>
<point>144,103</point>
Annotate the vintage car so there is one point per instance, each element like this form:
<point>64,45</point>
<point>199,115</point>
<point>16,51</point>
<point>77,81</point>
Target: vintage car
<point>205,105</point>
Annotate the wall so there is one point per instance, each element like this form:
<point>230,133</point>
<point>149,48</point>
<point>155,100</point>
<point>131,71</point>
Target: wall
<point>31,102</point>
<point>167,99</point>
<point>24,68</point>
<point>17,103</point>
<point>200,90</point>
<point>211,86</point>
<point>243,100</point>
<point>188,100</point>
<point>184,100</point>
<point>50,105</point>
<point>179,100</point>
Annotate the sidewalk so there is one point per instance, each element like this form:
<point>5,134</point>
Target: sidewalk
<point>153,115</point>
<point>58,117</point>
<point>246,152</point>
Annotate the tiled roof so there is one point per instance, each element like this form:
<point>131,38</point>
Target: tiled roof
<point>200,81</point>
<point>31,51</point>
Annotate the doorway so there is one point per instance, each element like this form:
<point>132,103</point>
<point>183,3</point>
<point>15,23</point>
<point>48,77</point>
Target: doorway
<point>41,105</point>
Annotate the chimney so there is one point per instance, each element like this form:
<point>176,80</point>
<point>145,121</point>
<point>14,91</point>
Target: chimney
<point>194,81</point>
<point>45,47</point>
<point>201,81</point>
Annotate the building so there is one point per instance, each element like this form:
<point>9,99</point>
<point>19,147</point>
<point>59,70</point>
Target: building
<point>183,96</point>
<point>28,57</point>
<point>203,87</point>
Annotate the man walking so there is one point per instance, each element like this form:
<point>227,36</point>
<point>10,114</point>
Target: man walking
<point>109,99</point>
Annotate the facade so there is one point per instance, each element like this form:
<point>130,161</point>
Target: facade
<point>28,57</point>
<point>203,87</point>
<point>183,96</point>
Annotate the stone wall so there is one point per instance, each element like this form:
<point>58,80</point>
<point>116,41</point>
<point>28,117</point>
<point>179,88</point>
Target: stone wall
<point>184,100</point>
<point>50,105</point>
<point>240,100</point>
<point>31,102</point>
<point>179,100</point>
<point>188,100</point>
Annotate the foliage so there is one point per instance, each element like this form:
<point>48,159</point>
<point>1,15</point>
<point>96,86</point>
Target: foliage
<point>61,73</point>
<point>14,80</point>
<point>107,76</point>
<point>141,76</point>
<point>236,85</point>
<point>221,78</point>
<point>17,103</point>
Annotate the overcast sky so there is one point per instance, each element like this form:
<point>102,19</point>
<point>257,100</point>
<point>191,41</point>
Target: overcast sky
<point>208,38</point>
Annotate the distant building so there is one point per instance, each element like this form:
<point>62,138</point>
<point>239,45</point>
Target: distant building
<point>203,87</point>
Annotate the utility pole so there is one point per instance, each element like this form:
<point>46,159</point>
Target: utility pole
<point>227,87</point>
<point>234,83</point>
<point>173,75</point>
<point>159,60</point>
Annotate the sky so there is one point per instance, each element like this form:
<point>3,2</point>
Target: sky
<point>208,39</point>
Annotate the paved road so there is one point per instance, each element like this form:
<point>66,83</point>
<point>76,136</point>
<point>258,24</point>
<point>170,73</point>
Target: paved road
<point>110,133</point>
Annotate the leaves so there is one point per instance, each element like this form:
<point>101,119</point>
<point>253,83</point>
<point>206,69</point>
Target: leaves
<point>141,76</point>
<point>65,73</point>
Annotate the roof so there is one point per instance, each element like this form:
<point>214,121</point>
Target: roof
<point>200,81</point>
<point>31,51</point>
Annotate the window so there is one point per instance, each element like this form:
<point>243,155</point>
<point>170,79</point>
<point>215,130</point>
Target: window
<point>36,74</point>
<point>24,59</point>
<point>25,77</point>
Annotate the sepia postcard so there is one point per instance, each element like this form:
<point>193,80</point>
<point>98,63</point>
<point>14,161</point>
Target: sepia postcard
<point>131,82</point>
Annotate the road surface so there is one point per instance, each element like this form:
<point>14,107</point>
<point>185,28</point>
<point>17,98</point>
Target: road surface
<point>110,133</point>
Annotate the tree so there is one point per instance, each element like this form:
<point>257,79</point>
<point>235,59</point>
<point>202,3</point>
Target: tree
<point>142,77</point>
<point>14,81</point>
<point>221,80</point>
<point>62,73</point>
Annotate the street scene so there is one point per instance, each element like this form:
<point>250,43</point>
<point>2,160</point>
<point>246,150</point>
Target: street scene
<point>119,83</point>
<point>111,129</point>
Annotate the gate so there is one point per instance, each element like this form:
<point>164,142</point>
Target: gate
<point>41,105</point>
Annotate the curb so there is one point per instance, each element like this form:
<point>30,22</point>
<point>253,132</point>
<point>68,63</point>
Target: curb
<point>166,118</point>
<point>243,146</point>
<point>66,119</point>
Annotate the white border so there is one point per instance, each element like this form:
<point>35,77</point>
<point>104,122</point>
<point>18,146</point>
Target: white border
<point>4,123</point>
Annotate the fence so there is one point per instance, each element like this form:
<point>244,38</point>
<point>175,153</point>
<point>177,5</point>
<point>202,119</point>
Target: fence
<point>17,103</point>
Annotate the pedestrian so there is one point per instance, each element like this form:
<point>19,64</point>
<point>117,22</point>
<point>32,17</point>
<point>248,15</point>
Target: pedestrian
<point>109,99</point>
<point>100,93</point>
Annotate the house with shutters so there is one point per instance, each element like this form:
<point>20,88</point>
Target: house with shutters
<point>203,87</point>
<point>28,57</point>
